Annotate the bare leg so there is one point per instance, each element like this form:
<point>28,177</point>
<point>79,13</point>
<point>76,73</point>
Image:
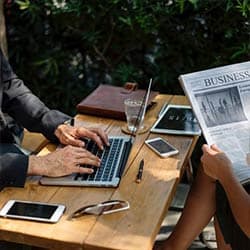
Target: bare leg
<point>198,211</point>
<point>221,244</point>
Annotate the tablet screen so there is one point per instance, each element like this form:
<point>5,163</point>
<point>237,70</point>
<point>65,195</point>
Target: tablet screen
<point>177,119</point>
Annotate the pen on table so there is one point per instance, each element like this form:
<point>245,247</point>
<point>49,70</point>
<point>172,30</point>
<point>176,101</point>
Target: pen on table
<point>140,171</point>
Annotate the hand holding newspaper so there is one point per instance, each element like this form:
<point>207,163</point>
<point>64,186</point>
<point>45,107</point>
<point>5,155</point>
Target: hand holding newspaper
<point>220,98</point>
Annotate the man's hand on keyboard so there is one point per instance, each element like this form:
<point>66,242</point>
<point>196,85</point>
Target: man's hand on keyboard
<point>63,161</point>
<point>69,135</point>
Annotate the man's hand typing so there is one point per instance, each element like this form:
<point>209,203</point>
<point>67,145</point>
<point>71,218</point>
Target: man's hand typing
<point>63,161</point>
<point>69,135</point>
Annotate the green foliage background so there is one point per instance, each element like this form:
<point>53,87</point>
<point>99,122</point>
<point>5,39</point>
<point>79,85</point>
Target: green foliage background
<point>65,49</point>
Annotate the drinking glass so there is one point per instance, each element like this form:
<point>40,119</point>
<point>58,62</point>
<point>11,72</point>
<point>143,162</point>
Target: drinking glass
<point>133,111</point>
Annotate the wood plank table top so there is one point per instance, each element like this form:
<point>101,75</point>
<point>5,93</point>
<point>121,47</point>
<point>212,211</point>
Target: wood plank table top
<point>133,229</point>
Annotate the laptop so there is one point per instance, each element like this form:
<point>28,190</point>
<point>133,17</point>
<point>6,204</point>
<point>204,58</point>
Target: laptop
<point>113,159</point>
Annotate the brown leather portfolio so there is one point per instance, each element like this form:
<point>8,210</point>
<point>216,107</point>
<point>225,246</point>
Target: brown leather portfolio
<point>108,101</point>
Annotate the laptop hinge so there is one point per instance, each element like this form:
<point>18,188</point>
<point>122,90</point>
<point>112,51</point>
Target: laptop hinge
<point>125,157</point>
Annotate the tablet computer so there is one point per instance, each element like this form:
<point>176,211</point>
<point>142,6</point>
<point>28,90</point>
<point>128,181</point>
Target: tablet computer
<point>177,119</point>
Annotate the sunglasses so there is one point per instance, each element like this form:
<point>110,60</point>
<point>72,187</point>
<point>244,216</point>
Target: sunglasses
<point>106,207</point>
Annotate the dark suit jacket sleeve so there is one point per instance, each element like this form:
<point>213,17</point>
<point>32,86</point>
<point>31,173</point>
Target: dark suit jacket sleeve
<point>19,102</point>
<point>27,109</point>
<point>13,170</point>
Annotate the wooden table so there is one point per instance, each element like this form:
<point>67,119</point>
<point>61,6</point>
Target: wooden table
<point>135,228</point>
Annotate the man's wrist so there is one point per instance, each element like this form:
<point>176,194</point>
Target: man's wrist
<point>59,130</point>
<point>36,166</point>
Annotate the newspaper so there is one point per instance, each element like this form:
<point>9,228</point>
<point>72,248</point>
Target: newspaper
<point>220,98</point>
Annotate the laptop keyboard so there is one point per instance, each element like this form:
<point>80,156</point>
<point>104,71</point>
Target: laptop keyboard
<point>109,157</point>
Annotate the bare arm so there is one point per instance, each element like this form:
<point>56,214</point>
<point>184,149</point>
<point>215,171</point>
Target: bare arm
<point>239,201</point>
<point>217,165</point>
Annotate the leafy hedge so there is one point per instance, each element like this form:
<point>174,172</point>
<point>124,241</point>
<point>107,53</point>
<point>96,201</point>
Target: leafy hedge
<point>64,49</point>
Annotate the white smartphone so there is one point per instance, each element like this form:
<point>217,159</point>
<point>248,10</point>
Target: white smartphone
<point>28,210</point>
<point>161,147</point>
